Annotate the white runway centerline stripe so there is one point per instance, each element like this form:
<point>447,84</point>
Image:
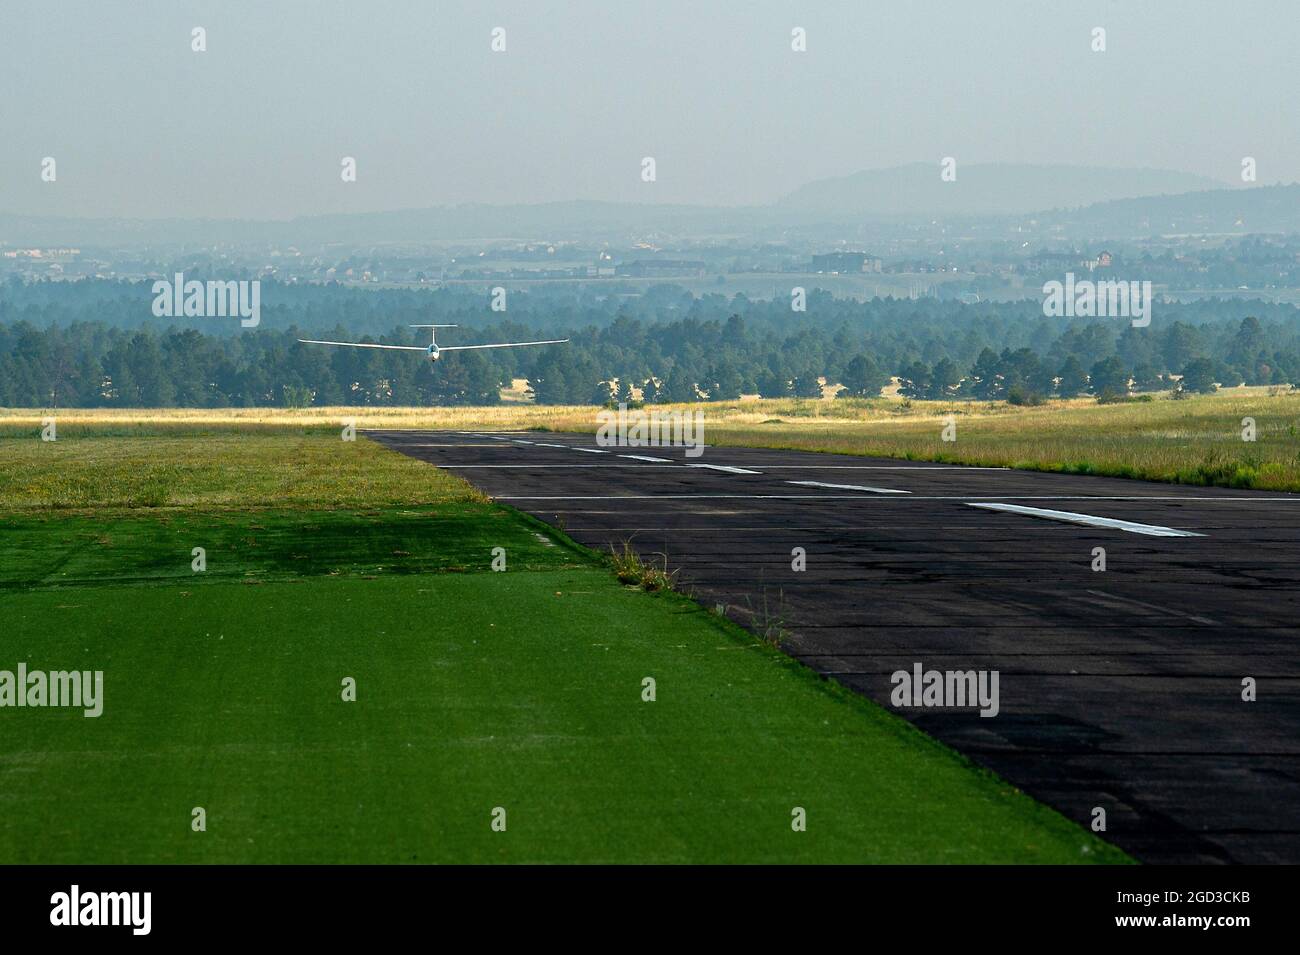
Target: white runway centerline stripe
<point>850,487</point>
<point>724,467</point>
<point>1151,530</point>
<point>588,450</point>
<point>642,457</point>
<point>878,467</point>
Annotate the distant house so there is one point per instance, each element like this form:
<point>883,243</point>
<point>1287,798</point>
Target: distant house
<point>1102,261</point>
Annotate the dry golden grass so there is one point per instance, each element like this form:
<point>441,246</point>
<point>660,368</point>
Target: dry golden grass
<point>503,417</point>
<point>125,420</point>
<point>1196,440</point>
<point>1191,441</point>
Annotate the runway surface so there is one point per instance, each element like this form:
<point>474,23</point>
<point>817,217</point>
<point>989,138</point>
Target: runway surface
<point>1119,689</point>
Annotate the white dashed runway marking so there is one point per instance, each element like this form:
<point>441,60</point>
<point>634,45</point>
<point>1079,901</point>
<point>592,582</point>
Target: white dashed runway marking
<point>1150,530</point>
<point>850,487</point>
<point>724,467</point>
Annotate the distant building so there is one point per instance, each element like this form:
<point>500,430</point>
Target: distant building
<point>662,268</point>
<point>1051,262</point>
<point>1102,261</point>
<point>845,262</point>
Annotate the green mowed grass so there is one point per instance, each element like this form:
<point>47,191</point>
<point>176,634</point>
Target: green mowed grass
<point>475,690</point>
<point>265,545</point>
<point>521,690</point>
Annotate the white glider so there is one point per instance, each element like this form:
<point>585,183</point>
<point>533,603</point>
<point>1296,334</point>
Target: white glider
<point>434,350</point>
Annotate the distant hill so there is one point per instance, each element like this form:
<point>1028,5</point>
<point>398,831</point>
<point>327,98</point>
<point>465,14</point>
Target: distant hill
<point>1257,209</point>
<point>983,189</point>
<point>909,196</point>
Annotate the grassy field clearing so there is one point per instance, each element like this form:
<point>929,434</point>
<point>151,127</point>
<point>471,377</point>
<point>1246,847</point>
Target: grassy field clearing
<point>1196,440</point>
<point>207,468</point>
<point>1189,441</point>
<point>475,689</point>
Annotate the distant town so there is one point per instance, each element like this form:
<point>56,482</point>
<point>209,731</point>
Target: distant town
<point>1261,265</point>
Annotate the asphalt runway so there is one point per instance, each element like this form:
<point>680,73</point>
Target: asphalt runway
<point>1119,689</point>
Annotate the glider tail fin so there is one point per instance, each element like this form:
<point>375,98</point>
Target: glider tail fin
<point>433,335</point>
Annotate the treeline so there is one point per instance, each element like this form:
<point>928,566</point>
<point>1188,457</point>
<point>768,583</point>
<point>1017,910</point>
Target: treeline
<point>669,346</point>
<point>1180,357</point>
<point>90,365</point>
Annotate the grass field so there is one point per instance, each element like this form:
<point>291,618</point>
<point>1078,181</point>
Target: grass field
<point>1195,440</point>
<point>475,689</point>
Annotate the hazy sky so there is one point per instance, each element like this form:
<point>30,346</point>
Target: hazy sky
<point>255,127</point>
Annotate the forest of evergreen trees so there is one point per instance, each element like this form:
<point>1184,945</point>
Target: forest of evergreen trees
<point>96,344</point>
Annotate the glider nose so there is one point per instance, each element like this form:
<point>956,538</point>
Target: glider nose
<point>433,353</point>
